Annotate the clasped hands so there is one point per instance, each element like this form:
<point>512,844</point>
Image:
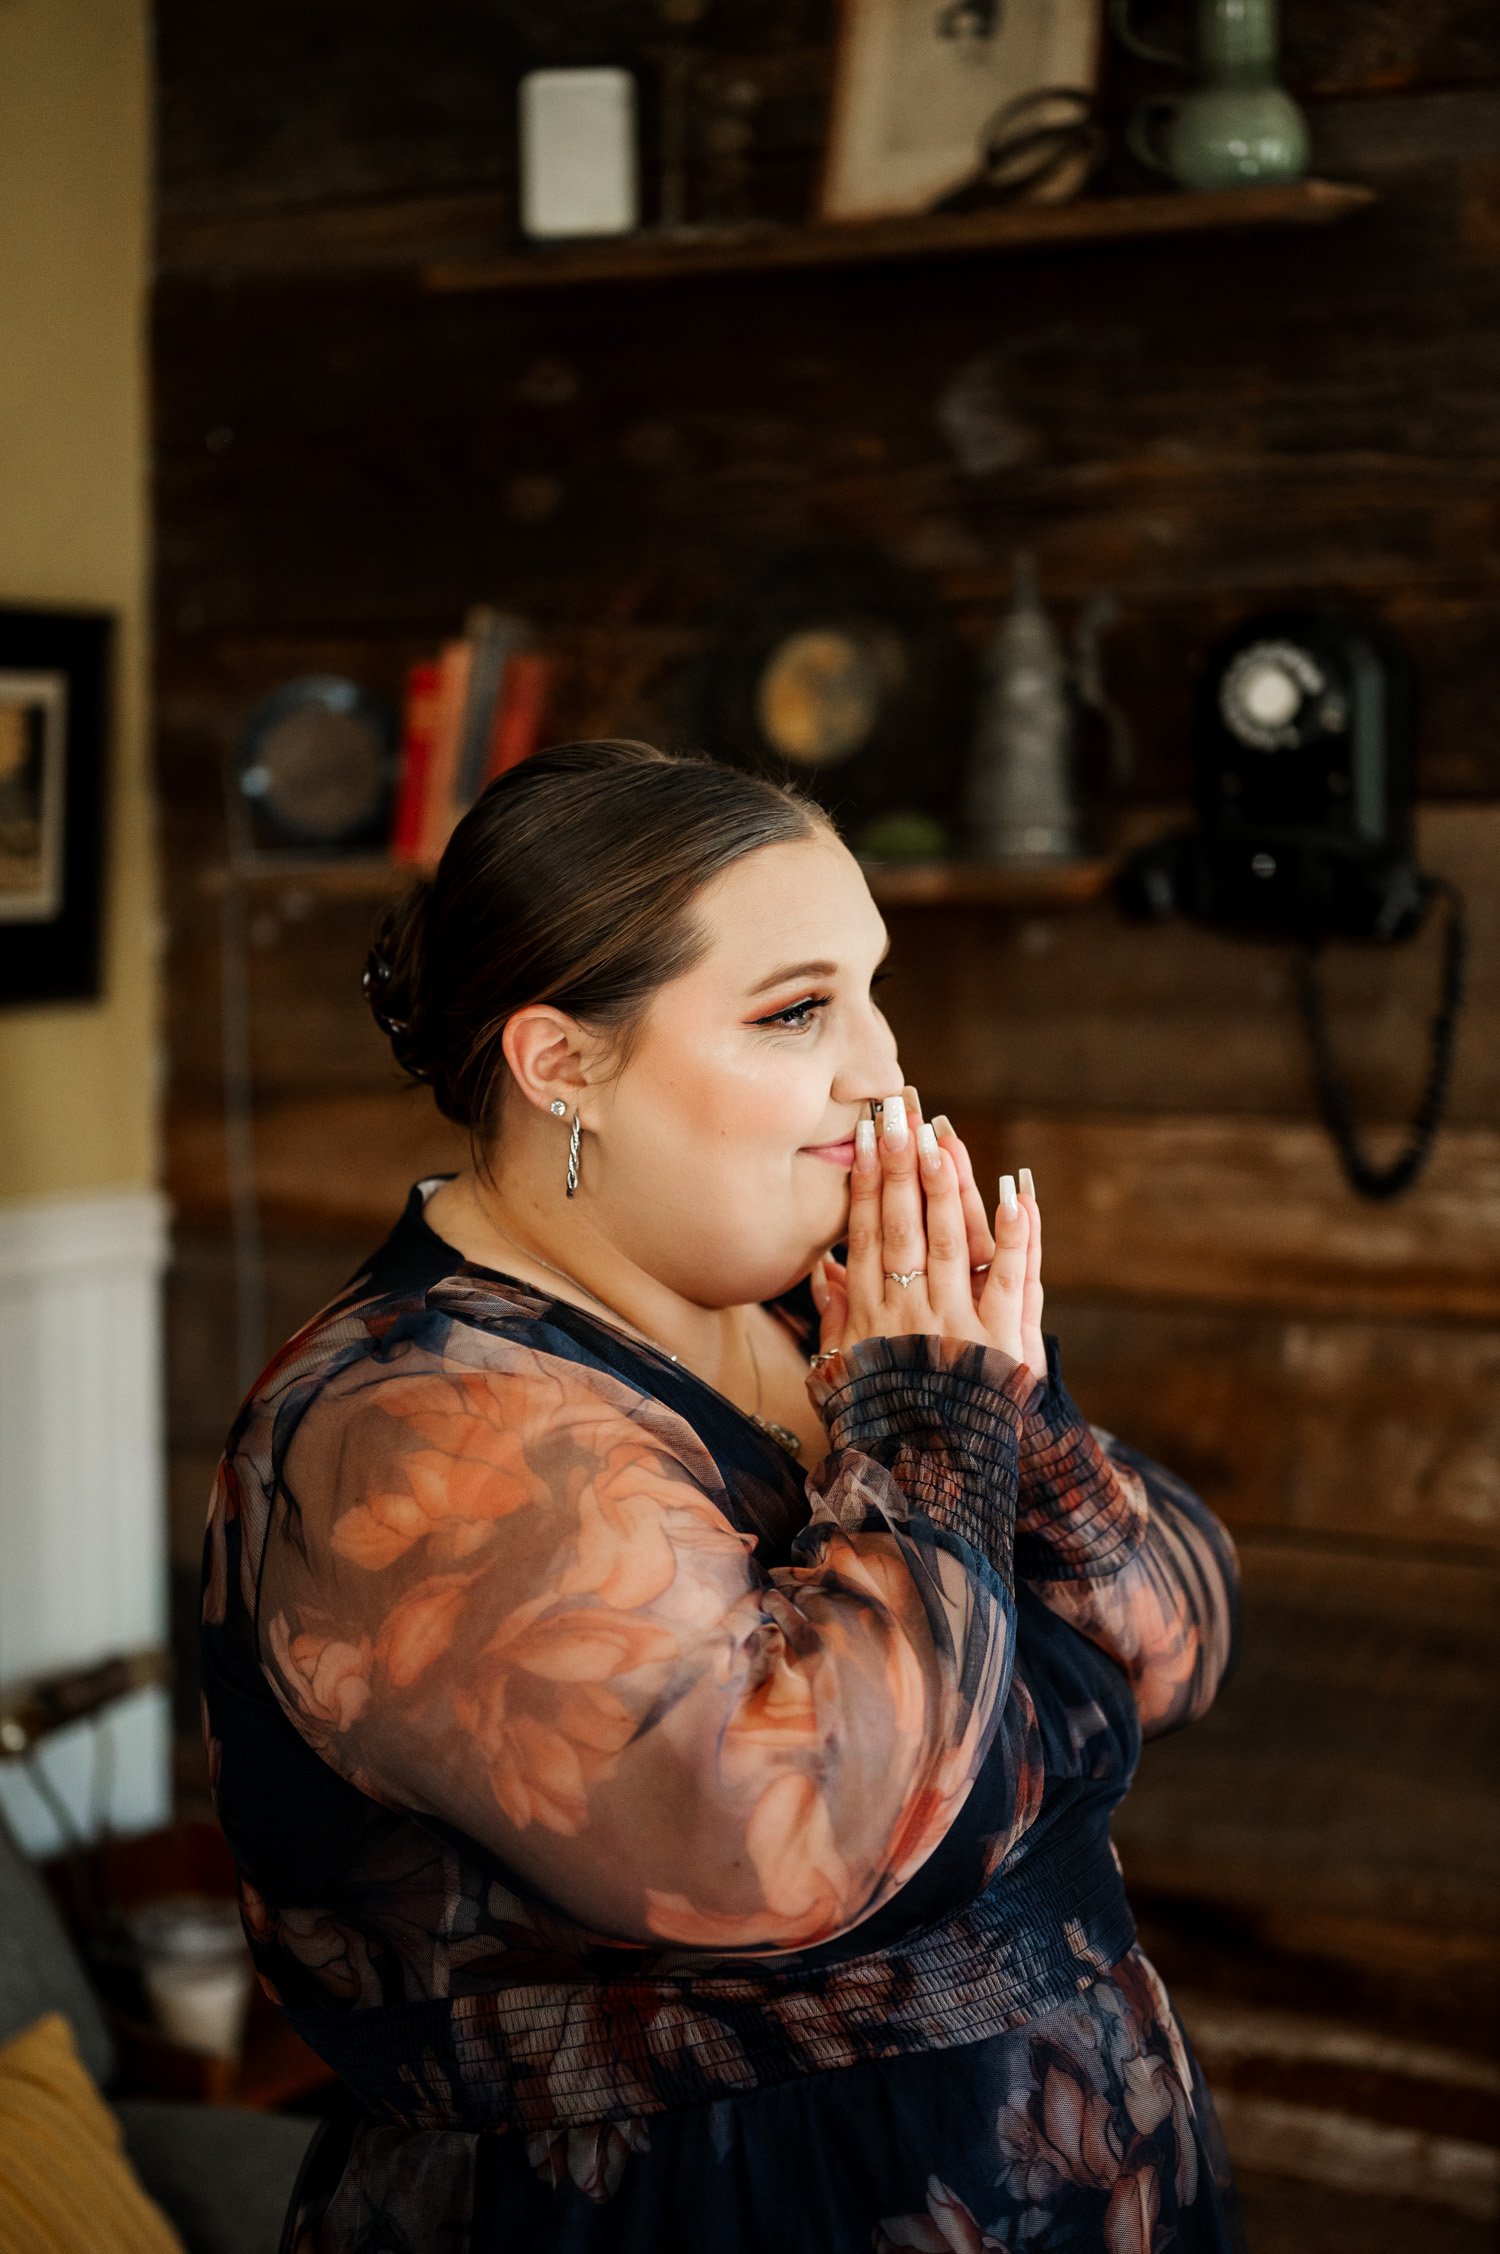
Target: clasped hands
<point>915,1211</point>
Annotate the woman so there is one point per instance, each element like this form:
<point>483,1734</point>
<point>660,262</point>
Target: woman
<point>667,1689</point>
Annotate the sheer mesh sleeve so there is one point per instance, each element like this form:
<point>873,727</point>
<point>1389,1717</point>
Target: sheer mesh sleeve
<point>1128,1555</point>
<point>501,1588</point>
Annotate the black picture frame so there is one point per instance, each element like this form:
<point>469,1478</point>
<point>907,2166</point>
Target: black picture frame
<point>55,678</point>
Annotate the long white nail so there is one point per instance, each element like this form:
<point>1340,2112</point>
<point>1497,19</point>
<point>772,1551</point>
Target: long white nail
<point>927,1145</point>
<point>1009,1204</point>
<point>893,1121</point>
<point>864,1138</point>
<point>1028,1186</point>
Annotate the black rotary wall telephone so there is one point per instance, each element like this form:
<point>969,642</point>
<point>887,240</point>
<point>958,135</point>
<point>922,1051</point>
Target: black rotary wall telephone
<point>1302,748</point>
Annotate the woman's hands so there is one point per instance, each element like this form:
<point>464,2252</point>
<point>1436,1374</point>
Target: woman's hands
<point>981,1240</point>
<point>914,1206</point>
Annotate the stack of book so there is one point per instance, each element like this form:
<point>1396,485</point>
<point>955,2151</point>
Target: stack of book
<point>471,712</point>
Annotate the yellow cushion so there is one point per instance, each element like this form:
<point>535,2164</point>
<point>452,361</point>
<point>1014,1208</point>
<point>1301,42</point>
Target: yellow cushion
<point>66,2186</point>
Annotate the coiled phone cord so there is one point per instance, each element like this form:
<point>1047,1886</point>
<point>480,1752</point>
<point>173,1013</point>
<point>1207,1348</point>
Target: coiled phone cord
<point>1370,1180</point>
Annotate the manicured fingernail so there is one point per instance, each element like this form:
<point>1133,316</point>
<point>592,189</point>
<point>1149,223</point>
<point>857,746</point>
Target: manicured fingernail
<point>927,1144</point>
<point>1028,1186</point>
<point>1009,1203</point>
<point>893,1121</point>
<point>864,1141</point>
<point>942,1124</point>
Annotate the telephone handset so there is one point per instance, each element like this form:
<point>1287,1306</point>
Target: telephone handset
<point>1302,744</point>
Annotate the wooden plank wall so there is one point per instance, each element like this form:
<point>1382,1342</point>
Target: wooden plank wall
<point>345,462</point>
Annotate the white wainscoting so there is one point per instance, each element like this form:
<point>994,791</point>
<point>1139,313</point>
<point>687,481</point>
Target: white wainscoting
<point>83,1536</point>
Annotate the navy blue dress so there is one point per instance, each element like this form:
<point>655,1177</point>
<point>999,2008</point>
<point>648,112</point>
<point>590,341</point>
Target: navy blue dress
<point>673,1847</point>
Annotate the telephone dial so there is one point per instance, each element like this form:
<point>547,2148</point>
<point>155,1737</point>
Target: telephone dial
<point>1302,747</point>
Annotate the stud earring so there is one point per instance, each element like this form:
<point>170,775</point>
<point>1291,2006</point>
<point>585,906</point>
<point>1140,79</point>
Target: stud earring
<point>559,1108</point>
<point>573,1142</point>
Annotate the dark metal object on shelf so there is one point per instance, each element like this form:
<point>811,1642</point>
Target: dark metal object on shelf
<point>318,765</point>
<point>1021,799</point>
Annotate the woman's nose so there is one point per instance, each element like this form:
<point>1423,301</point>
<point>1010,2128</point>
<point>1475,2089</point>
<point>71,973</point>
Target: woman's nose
<point>872,1070</point>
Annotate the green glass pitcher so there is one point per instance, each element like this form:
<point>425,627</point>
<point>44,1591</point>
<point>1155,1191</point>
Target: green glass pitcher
<point>1237,128</point>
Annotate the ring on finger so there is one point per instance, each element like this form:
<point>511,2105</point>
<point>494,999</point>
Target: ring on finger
<point>903,1275</point>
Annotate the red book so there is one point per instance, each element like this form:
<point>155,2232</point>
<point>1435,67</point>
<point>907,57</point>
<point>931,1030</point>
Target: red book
<point>518,715</point>
<point>418,725</point>
<point>440,809</point>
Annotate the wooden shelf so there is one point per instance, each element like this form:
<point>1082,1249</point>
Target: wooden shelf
<point>984,884</point>
<point>1008,227</point>
<point>894,884</point>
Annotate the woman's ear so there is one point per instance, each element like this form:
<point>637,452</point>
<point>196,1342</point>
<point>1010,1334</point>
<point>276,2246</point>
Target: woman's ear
<point>549,1055</point>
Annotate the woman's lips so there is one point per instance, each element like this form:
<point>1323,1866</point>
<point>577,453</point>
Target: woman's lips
<point>837,1154</point>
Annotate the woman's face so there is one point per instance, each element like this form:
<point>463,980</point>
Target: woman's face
<point>721,1154</point>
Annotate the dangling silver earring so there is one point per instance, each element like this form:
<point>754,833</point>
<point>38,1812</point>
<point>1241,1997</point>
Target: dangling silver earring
<point>573,1142</point>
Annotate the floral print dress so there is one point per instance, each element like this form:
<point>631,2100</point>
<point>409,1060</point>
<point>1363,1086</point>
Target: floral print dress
<point>673,1846</point>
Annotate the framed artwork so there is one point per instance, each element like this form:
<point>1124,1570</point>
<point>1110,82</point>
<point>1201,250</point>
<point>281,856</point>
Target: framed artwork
<point>917,81</point>
<point>54,673</point>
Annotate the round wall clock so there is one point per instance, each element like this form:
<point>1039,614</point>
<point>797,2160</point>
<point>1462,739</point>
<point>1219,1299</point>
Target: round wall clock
<point>834,668</point>
<point>318,763</point>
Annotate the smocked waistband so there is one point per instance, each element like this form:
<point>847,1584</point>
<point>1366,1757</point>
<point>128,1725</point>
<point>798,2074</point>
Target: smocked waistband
<point>551,2054</point>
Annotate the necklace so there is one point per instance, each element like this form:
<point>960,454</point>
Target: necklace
<point>781,1433</point>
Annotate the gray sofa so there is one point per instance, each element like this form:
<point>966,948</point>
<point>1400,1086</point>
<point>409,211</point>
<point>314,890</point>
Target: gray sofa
<point>223,2174</point>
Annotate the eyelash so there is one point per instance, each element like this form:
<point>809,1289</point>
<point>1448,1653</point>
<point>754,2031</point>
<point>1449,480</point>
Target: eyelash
<point>795,1017</point>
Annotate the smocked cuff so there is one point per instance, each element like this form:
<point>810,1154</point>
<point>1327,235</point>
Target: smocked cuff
<point>1077,1518</point>
<point>944,1416</point>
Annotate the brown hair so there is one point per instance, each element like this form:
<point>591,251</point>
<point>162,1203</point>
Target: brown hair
<point>571,881</point>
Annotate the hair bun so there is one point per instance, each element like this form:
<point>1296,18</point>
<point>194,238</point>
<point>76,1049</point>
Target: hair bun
<point>393,980</point>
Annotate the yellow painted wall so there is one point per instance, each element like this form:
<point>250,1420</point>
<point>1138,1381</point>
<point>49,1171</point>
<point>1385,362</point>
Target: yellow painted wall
<point>78,1083</point>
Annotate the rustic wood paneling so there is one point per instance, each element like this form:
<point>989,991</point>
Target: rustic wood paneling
<point>1283,2216</point>
<point>1250,1213</point>
<point>1346,1770</point>
<point>203,1389</point>
<point>400,101</point>
<point>324,1165</point>
<point>1385,1433</point>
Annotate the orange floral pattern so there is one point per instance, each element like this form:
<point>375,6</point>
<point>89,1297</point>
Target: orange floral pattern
<point>1099,2137</point>
<point>590,1770</point>
<point>516,1603</point>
